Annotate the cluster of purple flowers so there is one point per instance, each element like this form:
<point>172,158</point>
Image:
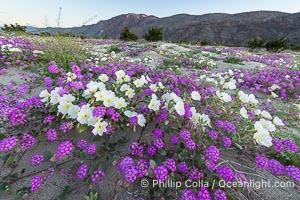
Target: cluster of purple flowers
<point>227,126</point>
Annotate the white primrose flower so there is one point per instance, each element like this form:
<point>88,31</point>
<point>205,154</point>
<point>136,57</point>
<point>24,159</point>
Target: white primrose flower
<point>119,80</point>
<point>153,87</point>
<point>274,95</point>
<point>120,103</point>
<point>130,93</point>
<point>161,85</point>
<point>154,104</point>
<point>109,100</point>
<point>67,98</point>
<point>243,97</point>
<point>205,119</point>
<point>73,111</point>
<point>120,73</point>
<point>100,128</point>
<point>103,77</point>
<point>278,121</point>
<point>224,96</point>
<point>196,96</point>
<point>252,99</point>
<point>44,95</point>
<point>230,85</point>
<point>266,115</point>
<point>124,87</point>
<point>243,113</point>
<point>264,124</point>
<point>64,107</point>
<point>195,116</point>
<point>179,107</point>
<point>85,114</point>
<point>126,78</point>
<point>71,76</point>
<point>141,120</point>
<point>257,112</point>
<point>54,96</point>
<point>263,137</point>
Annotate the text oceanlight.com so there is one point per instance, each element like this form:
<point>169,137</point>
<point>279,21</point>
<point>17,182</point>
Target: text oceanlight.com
<point>220,183</point>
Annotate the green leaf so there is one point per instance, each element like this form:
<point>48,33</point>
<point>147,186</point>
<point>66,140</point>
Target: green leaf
<point>9,161</point>
<point>14,175</point>
<point>4,186</point>
<point>2,136</point>
<point>81,128</point>
<point>47,155</point>
<point>152,164</point>
<point>63,195</point>
<point>163,153</point>
<point>22,191</point>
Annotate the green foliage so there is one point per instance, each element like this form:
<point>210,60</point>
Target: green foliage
<point>277,45</point>
<point>63,50</point>
<point>126,35</point>
<point>232,60</point>
<point>14,28</point>
<point>204,43</point>
<point>112,48</point>
<point>154,34</point>
<point>256,43</point>
<point>91,196</point>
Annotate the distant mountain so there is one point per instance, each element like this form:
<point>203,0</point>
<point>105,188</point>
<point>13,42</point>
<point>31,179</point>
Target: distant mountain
<point>219,28</point>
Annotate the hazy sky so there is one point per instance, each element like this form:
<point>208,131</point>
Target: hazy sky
<point>76,12</point>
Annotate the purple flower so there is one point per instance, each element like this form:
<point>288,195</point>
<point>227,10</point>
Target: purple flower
<point>27,141</point>
<point>213,134</point>
<point>293,172</point>
<point>158,143</point>
<point>220,195</point>
<point>182,167</point>
<point>276,167</point>
<point>91,149</point>
<point>36,159</point>
<point>195,174</point>
<point>212,153</point>
<point>226,141</point>
<point>53,68</point>
<point>36,183</point>
<point>49,119</point>
<point>99,111</point>
<point>174,139</point>
<point>135,149</point>
<point>204,194</point>
<point>127,162</point>
<point>161,173</point>
<point>219,124</point>
<point>64,149</point>
<point>133,120</point>
<point>82,171</point>
<point>211,166</point>
<point>151,151</point>
<point>66,126</point>
<point>170,164</point>
<point>229,127</point>
<point>142,167</point>
<point>291,145</point>
<point>51,135</point>
<point>158,132</point>
<point>261,161</point>
<point>190,144</point>
<point>226,173</point>
<point>185,135</point>
<point>97,176</point>
<point>278,145</point>
<point>82,144</point>
<point>9,143</point>
<point>188,194</point>
<point>131,174</point>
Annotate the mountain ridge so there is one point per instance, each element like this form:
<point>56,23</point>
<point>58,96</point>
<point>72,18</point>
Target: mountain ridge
<point>216,28</point>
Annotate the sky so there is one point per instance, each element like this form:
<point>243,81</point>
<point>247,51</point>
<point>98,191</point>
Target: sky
<point>78,12</point>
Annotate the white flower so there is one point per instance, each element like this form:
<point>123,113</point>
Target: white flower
<point>244,113</point>
<point>120,74</point>
<point>44,95</point>
<point>153,87</point>
<point>71,76</point>
<point>85,114</point>
<point>205,119</point>
<point>73,111</point>
<point>109,100</point>
<point>64,107</point>
<point>230,85</point>
<point>196,96</point>
<point>161,85</point>
<point>120,103</point>
<point>179,107</point>
<point>266,115</point>
<point>252,99</point>
<point>195,116</point>
<point>103,77</point>
<point>100,95</point>
<point>264,124</point>
<point>278,121</point>
<point>141,120</point>
<point>274,95</point>
<point>67,98</point>
<point>224,96</point>
<point>243,97</point>
<point>154,104</point>
<point>130,93</point>
<point>263,137</point>
<point>257,111</point>
<point>126,78</point>
<point>100,128</point>
<point>54,96</point>
<point>124,87</point>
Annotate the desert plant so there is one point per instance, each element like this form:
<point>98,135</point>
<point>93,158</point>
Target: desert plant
<point>256,43</point>
<point>154,34</point>
<point>277,45</point>
<point>126,35</point>
<point>14,28</point>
